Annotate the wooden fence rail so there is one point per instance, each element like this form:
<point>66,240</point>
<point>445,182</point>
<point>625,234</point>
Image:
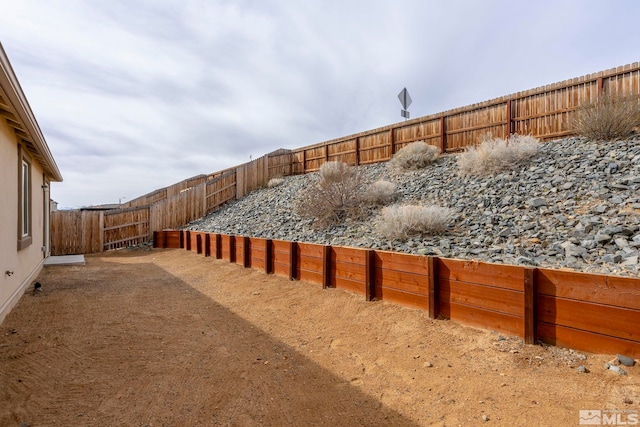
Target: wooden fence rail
<point>588,312</point>
<point>545,112</point>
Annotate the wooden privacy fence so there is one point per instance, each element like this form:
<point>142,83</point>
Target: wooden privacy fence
<point>544,112</point>
<point>588,312</point>
<point>87,231</point>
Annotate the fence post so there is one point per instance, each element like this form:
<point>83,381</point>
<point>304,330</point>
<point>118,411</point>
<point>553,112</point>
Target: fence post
<point>187,238</point>
<point>207,245</point>
<point>509,119</point>
<point>600,84</point>
<point>246,252</point>
<point>149,223</point>
<point>218,246</point>
<point>101,219</point>
<point>204,198</point>
<point>529,305</point>
<point>392,142</point>
<point>357,150</point>
<point>369,278</point>
<point>268,257</point>
<point>292,260</point>
<point>232,248</point>
<point>434,304</point>
<point>304,161</point>
<point>326,267</point>
<point>443,134</point>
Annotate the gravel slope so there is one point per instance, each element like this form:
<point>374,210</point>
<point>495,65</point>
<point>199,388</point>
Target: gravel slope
<point>575,205</point>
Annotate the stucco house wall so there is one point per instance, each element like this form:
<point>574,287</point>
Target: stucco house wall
<point>22,253</point>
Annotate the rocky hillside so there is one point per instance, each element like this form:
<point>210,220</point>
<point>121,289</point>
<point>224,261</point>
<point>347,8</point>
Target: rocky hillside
<point>575,205</point>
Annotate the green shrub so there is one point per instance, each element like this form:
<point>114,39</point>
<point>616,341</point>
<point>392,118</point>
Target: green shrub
<point>608,118</point>
<point>403,221</point>
<point>494,155</point>
<point>414,156</point>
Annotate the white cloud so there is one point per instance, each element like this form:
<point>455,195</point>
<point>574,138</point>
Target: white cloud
<point>133,95</point>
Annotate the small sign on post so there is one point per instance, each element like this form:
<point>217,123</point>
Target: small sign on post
<point>405,100</point>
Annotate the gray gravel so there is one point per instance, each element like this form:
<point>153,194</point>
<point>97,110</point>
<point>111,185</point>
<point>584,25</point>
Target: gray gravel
<point>575,205</point>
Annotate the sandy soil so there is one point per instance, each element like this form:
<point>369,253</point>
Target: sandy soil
<point>169,338</point>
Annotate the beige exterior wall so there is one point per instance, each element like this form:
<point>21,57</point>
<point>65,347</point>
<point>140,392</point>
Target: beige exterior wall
<point>26,263</point>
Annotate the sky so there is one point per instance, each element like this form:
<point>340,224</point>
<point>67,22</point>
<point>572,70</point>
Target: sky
<point>136,95</point>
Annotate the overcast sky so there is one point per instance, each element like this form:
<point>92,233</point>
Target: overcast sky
<point>135,95</point>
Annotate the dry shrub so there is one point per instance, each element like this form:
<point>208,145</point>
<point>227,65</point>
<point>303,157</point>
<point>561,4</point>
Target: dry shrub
<point>274,182</point>
<point>334,171</point>
<point>403,221</point>
<point>380,193</point>
<point>607,119</point>
<point>495,155</point>
<point>414,156</point>
<point>333,197</point>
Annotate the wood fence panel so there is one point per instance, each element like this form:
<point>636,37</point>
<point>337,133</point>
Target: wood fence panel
<point>427,131</point>
<point>461,285</point>
<point>66,233</point>
<point>348,269</point>
<point>401,278</point>
<point>314,158</point>
<point>466,128</point>
<point>280,258</point>
<point>624,81</point>
<point>309,263</point>
<point>343,151</point>
<point>92,231</point>
<point>124,228</point>
<point>220,190</point>
<point>297,158</point>
<point>280,165</point>
<point>375,147</point>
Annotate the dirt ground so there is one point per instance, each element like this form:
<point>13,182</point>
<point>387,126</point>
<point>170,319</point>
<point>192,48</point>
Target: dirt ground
<point>170,338</point>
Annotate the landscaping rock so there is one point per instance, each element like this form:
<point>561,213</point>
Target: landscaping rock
<point>617,369</point>
<point>573,207</point>
<point>625,360</point>
<point>582,369</point>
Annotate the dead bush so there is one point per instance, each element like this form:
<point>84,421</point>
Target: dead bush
<point>403,221</point>
<point>607,119</point>
<point>414,156</point>
<point>333,197</point>
<point>494,155</point>
<point>380,193</point>
<point>274,182</point>
<point>334,171</point>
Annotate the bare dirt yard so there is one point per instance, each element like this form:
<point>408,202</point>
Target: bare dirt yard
<point>170,338</point>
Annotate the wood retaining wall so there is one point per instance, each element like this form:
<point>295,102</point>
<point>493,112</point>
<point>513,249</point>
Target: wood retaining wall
<point>589,312</point>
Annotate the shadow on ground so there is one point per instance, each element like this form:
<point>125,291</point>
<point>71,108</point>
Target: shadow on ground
<point>123,342</point>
